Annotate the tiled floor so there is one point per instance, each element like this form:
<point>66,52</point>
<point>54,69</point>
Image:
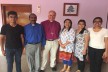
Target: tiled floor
<point>48,69</point>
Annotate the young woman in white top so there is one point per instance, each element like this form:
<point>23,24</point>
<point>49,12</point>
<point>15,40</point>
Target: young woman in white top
<point>98,45</point>
<point>81,44</point>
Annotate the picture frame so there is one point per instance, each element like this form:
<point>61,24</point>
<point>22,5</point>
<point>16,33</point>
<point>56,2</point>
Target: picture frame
<point>70,9</point>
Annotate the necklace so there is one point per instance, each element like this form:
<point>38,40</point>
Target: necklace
<point>51,29</point>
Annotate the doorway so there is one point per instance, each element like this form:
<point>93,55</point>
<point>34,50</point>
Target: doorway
<point>23,11</point>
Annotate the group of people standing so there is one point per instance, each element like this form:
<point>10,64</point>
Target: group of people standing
<point>48,37</point>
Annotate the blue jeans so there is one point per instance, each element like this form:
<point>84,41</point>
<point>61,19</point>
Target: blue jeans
<point>12,54</point>
<point>69,63</point>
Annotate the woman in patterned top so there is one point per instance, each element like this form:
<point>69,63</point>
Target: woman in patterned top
<point>81,45</point>
<point>66,42</point>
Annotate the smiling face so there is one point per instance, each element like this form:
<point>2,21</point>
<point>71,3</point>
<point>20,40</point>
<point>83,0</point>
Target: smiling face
<point>33,18</point>
<point>67,24</point>
<point>97,22</point>
<point>51,15</point>
<point>81,25</point>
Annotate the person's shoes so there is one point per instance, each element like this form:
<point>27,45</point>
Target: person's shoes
<point>54,68</point>
<point>41,71</point>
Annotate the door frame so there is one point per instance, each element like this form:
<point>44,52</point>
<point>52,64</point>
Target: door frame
<point>3,10</point>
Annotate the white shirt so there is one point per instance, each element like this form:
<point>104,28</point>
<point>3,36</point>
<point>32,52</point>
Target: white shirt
<point>97,38</point>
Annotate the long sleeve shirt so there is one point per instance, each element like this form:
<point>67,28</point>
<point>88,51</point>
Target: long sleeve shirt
<point>67,36</point>
<point>52,29</point>
<point>34,33</point>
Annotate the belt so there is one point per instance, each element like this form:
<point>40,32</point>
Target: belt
<point>50,39</point>
<point>33,43</point>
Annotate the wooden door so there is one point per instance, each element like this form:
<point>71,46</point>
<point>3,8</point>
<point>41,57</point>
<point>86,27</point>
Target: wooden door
<point>23,11</point>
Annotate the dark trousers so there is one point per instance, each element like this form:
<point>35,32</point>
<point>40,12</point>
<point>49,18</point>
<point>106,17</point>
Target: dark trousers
<point>81,64</point>
<point>12,54</point>
<point>95,56</point>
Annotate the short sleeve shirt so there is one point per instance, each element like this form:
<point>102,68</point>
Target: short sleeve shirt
<point>13,35</point>
<point>97,38</point>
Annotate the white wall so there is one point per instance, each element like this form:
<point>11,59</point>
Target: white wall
<point>88,9</point>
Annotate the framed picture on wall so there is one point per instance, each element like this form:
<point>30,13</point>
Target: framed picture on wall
<point>70,9</point>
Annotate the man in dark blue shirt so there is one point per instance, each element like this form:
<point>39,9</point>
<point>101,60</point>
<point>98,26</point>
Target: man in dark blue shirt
<point>34,38</point>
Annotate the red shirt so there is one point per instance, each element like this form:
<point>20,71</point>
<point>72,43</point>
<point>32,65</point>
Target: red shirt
<point>51,29</point>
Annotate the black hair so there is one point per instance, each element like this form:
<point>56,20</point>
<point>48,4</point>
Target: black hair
<point>12,13</point>
<point>32,14</point>
<point>97,18</point>
<point>82,31</point>
<point>70,24</point>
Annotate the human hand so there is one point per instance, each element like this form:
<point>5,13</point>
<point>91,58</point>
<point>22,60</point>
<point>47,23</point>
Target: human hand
<point>105,55</point>
<point>42,48</point>
<point>3,52</point>
<point>63,46</point>
<point>84,52</point>
<point>105,60</point>
<point>23,50</point>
